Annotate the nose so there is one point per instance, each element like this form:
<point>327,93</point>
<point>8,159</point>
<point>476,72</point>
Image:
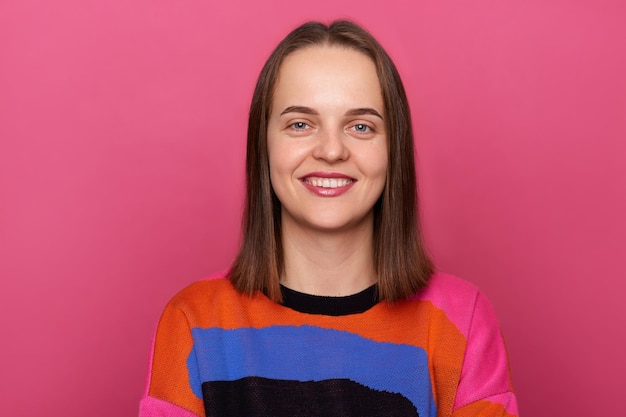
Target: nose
<point>331,146</point>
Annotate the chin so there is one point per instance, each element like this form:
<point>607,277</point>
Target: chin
<point>339,224</point>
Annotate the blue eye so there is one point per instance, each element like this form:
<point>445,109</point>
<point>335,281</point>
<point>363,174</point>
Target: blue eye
<point>361,128</point>
<point>299,125</point>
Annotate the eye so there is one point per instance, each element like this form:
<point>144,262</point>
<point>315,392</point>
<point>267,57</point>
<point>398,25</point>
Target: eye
<point>361,128</point>
<point>299,126</point>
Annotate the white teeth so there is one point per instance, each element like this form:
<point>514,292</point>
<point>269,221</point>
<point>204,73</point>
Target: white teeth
<point>328,182</point>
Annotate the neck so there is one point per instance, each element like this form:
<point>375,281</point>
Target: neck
<point>334,263</point>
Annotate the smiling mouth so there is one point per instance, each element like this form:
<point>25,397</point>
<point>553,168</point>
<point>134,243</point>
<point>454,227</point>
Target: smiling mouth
<point>327,182</point>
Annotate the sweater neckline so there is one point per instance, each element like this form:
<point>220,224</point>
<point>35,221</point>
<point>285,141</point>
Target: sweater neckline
<point>329,305</point>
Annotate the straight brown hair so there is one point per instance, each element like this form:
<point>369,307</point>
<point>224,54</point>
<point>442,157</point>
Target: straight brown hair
<point>401,263</point>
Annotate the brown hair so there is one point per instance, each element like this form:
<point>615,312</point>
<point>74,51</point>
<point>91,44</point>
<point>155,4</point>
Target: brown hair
<point>401,262</point>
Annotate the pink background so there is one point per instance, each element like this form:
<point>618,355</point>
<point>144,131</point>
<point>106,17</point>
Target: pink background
<point>122,130</point>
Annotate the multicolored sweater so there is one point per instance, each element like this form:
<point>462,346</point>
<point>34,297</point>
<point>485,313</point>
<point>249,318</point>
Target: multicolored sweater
<point>220,353</point>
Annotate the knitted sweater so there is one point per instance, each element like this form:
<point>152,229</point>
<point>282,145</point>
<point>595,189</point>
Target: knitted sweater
<point>220,353</point>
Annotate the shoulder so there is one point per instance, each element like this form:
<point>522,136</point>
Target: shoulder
<point>448,292</point>
<point>461,301</point>
<point>215,302</point>
<point>204,292</point>
<point>442,285</point>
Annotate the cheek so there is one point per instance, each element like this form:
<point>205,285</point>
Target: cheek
<point>281,169</point>
<point>377,165</point>
<point>275,174</point>
<point>378,172</point>
<point>284,157</point>
<point>274,158</point>
<point>278,160</point>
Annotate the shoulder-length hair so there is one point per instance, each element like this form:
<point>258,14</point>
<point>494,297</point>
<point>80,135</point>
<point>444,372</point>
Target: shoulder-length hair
<point>401,263</point>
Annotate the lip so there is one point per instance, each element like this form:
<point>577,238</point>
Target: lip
<point>327,192</point>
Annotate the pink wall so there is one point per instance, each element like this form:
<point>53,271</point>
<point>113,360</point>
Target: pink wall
<point>122,130</point>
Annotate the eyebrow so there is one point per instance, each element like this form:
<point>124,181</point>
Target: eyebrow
<point>354,112</point>
<point>300,109</point>
<point>363,111</point>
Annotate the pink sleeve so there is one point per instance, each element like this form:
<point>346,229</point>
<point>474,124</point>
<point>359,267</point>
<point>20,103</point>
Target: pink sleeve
<point>153,407</point>
<point>485,376</point>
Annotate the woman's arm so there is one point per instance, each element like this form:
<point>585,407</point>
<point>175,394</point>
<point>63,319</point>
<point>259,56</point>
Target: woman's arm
<point>485,386</point>
<point>168,389</point>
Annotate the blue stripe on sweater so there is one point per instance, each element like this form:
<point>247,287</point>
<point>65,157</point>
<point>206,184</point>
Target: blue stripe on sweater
<point>309,353</point>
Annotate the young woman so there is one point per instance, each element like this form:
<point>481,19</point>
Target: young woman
<point>332,307</point>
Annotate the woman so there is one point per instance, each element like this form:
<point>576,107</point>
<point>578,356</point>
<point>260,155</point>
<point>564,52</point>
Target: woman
<point>332,307</point>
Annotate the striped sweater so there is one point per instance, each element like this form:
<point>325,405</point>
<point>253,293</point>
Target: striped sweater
<point>220,353</point>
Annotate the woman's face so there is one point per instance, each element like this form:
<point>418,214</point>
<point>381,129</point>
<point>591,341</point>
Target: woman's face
<point>326,139</point>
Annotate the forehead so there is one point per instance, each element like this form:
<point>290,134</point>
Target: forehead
<point>322,73</point>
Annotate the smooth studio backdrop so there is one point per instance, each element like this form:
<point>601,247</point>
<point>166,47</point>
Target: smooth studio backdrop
<point>122,141</point>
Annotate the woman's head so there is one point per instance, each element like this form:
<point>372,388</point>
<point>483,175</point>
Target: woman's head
<point>401,264</point>
<point>327,144</point>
